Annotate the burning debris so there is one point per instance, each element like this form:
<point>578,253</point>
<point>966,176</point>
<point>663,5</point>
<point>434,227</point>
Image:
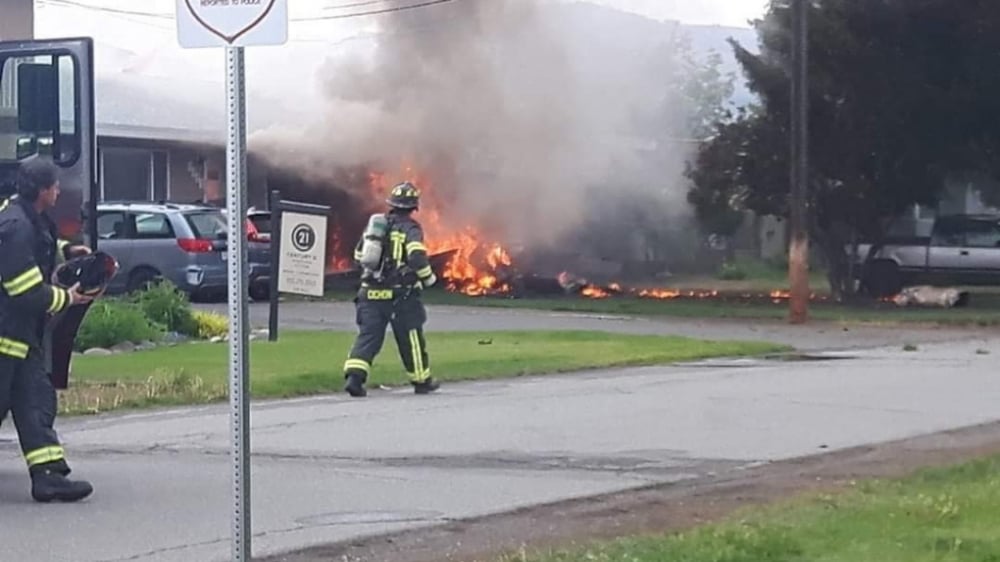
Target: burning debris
<point>580,287</point>
<point>938,297</point>
<point>469,261</point>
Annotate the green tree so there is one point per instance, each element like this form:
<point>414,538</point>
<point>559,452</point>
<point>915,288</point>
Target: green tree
<point>701,85</point>
<point>899,91</point>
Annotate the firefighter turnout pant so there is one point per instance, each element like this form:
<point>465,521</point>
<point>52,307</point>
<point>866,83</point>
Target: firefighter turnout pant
<point>50,413</point>
<point>27,392</point>
<point>375,310</point>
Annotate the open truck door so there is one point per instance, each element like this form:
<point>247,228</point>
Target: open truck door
<point>47,108</point>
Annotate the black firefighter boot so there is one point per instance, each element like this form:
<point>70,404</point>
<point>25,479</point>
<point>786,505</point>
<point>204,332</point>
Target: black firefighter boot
<point>426,387</point>
<point>356,385</point>
<point>49,483</point>
<point>62,467</point>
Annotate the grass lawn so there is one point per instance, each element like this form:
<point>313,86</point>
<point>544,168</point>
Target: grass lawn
<point>938,515</point>
<point>754,275</point>
<point>304,363</point>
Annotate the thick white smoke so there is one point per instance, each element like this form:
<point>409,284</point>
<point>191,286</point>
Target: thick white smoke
<point>518,110</point>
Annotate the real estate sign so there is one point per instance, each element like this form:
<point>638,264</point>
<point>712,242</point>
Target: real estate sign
<point>302,263</point>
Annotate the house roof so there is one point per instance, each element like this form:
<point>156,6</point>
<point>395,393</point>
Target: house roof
<point>146,108</point>
<point>150,107</point>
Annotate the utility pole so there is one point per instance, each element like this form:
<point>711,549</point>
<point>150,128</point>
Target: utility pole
<point>798,250</point>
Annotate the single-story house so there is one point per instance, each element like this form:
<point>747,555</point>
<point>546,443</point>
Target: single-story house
<point>152,146</point>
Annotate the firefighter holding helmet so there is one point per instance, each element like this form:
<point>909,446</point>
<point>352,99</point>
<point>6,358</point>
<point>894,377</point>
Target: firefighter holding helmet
<point>29,251</point>
<point>395,269</point>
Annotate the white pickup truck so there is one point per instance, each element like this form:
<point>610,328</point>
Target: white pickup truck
<point>961,250</point>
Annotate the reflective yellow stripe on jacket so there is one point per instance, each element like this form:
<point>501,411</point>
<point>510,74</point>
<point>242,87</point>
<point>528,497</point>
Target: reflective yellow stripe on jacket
<point>24,282</point>
<point>13,348</point>
<point>61,246</point>
<point>397,239</point>
<point>60,297</point>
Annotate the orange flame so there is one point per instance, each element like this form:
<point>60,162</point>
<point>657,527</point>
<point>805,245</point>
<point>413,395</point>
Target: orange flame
<point>667,294</point>
<point>475,266</point>
<point>338,257</point>
<point>777,296</point>
<point>659,293</point>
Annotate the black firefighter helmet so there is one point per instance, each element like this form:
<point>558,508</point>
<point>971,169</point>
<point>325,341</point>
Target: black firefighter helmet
<point>404,196</point>
<point>93,272</point>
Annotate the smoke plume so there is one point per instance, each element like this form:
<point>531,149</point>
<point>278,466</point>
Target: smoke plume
<point>524,116</point>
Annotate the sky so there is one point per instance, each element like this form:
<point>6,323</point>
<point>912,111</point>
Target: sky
<point>139,37</point>
<point>149,33</point>
<point>733,13</point>
<point>718,12</point>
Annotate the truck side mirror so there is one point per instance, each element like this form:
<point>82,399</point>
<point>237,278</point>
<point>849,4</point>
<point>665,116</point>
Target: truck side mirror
<point>37,98</point>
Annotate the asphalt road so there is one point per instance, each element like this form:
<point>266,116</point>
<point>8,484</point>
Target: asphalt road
<point>816,336</point>
<point>331,468</point>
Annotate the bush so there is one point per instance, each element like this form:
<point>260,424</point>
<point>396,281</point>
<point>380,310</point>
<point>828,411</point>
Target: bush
<point>165,305</point>
<point>110,322</point>
<point>732,272</point>
<point>210,325</point>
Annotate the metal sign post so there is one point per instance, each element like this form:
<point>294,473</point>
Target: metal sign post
<point>239,379</point>
<point>234,26</point>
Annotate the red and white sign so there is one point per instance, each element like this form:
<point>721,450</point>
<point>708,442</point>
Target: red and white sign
<point>231,23</point>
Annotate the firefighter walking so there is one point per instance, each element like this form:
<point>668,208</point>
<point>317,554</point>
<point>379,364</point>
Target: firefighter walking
<point>395,269</point>
<point>28,254</point>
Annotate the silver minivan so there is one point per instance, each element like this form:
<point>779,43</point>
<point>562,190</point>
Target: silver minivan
<point>183,243</point>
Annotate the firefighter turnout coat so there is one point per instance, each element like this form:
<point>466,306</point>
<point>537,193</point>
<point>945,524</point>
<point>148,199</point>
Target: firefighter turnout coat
<point>405,259</point>
<point>29,252</point>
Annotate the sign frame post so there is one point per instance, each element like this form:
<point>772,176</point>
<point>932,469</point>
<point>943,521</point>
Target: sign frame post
<point>274,205</point>
<point>278,209</point>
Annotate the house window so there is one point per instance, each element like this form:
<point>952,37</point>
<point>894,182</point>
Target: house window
<point>131,174</point>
